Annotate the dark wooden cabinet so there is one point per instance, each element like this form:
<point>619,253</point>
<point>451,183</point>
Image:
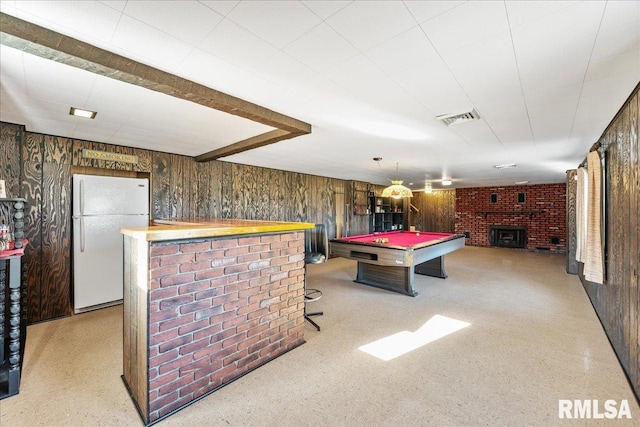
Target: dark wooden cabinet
<point>387,214</point>
<point>13,326</point>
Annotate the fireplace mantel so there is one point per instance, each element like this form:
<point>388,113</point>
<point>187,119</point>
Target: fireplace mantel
<point>531,213</point>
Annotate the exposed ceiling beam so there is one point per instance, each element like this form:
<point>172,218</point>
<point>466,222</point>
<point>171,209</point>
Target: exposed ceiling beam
<point>253,142</point>
<point>48,44</point>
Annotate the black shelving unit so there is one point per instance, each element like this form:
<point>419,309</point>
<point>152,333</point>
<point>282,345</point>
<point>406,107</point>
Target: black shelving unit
<point>387,214</point>
<point>13,325</point>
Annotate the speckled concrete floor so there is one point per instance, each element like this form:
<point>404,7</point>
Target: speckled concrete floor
<point>533,338</point>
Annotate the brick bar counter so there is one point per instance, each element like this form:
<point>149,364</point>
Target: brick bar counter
<point>205,302</point>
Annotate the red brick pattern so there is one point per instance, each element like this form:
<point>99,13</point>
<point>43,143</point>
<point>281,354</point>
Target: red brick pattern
<point>541,227</point>
<point>218,309</point>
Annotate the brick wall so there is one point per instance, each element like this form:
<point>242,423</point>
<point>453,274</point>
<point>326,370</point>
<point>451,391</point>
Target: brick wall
<point>218,309</point>
<point>541,226</point>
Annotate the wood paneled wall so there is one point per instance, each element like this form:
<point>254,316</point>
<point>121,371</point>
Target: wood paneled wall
<point>436,211</point>
<point>39,168</point>
<point>618,301</point>
<point>10,138</point>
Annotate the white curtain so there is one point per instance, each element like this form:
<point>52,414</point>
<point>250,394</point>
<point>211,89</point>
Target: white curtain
<point>593,259</point>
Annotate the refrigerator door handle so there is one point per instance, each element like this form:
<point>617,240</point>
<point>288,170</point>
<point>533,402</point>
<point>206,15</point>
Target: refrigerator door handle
<point>81,234</point>
<point>81,197</point>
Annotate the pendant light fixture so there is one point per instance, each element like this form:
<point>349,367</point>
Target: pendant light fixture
<point>396,190</point>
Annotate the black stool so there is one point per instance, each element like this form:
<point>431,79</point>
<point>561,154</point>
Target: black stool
<point>316,251</point>
<point>311,295</point>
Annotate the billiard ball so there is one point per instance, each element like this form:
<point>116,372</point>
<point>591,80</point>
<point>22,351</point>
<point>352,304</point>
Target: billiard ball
<point>417,234</point>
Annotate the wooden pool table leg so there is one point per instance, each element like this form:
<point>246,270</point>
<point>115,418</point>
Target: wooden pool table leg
<point>433,267</point>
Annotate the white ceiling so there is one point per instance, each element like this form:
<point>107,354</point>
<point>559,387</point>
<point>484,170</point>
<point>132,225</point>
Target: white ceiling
<point>546,77</point>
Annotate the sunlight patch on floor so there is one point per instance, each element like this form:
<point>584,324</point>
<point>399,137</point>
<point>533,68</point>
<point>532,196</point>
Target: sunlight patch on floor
<point>395,345</point>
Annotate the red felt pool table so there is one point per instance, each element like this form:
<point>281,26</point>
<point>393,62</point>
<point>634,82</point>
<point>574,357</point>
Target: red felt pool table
<point>389,260</point>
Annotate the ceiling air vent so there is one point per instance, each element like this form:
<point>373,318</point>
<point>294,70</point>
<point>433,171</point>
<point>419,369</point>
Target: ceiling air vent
<point>456,119</point>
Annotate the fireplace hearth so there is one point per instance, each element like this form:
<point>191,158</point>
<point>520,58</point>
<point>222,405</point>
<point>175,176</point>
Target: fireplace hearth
<point>505,236</point>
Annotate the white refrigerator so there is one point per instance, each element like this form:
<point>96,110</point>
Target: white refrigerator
<point>101,207</point>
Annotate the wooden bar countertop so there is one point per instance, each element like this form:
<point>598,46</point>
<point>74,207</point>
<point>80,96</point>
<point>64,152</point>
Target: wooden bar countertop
<point>188,228</point>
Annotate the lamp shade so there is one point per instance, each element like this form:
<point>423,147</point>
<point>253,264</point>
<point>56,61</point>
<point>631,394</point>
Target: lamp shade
<point>397,191</point>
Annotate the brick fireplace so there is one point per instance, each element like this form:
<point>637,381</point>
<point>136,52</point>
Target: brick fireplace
<point>505,236</point>
<point>538,209</point>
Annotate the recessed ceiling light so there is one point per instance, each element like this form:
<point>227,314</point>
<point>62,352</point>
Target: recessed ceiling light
<point>505,166</point>
<point>82,113</point>
<point>522,182</point>
<point>446,182</point>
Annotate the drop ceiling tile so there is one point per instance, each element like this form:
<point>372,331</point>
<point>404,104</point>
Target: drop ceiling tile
<point>88,21</point>
<point>321,49</point>
<point>486,69</point>
<point>49,110</point>
<point>113,92</point>
<point>621,63</point>
<point>236,45</point>
<point>12,62</point>
<point>477,134</point>
<point>135,136</point>
<point>618,38</point>
<point>600,96</point>
<point>188,21</point>
<point>452,144</point>
<point>110,115</point>
<point>56,81</point>
<point>276,22</point>
<point>180,141</point>
<point>402,51</point>
<point>361,77</point>
<point>324,9</point>
<point>512,133</point>
<point>424,10</point>
<point>520,12</point>
<point>90,134</point>
<point>505,108</point>
<point>328,104</point>
<point>8,7</point>
<point>93,130</point>
<point>118,5</point>
<point>44,123</point>
<point>13,105</point>
<point>208,70</point>
<point>433,85</point>
<point>465,25</point>
<point>620,13</point>
<point>223,7</point>
<point>571,31</point>
<point>284,70</point>
<point>612,88</point>
<point>56,76</point>
<point>162,110</point>
<point>552,120</point>
<point>578,145</point>
<point>149,45</point>
<point>367,24</point>
<point>544,96</point>
<point>13,87</point>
